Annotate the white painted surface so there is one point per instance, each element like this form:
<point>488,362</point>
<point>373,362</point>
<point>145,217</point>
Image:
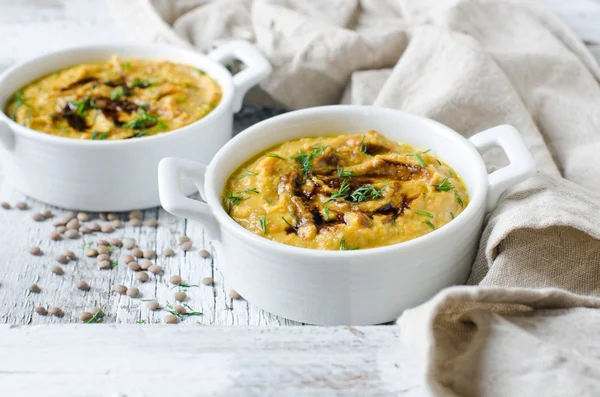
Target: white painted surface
<point>138,360</point>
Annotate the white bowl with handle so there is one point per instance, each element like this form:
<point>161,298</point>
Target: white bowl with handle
<point>118,175</point>
<point>347,287</point>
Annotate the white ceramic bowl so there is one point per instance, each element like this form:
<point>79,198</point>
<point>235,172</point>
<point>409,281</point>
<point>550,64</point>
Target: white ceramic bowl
<point>347,287</point>
<point>118,175</point>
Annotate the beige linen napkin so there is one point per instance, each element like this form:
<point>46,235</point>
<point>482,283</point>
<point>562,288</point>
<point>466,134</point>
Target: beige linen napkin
<point>530,326</point>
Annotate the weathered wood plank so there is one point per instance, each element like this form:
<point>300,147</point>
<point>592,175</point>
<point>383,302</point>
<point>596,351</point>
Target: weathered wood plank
<point>103,360</point>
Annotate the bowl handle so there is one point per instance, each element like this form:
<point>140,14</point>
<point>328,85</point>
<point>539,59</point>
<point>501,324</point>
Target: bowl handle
<point>257,67</point>
<point>521,167</point>
<point>7,137</point>
<point>171,172</point>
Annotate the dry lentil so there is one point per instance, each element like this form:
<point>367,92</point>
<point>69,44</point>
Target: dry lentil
<point>107,228</point>
<point>82,285</point>
<point>61,258</point>
<point>176,280</point>
<point>136,214</point>
<point>70,254</point>
<point>134,266</point>
<point>102,249</point>
<point>138,253</point>
<point>112,216</point>
<point>183,239</point>
<point>41,310</point>
<point>34,288</point>
<point>103,216</point>
<point>186,246</point>
<point>103,242</point>
<point>180,296</point>
<point>234,294</point>
<point>128,243</point>
<point>94,226</point>
<point>133,292</point>
<point>179,309</point>
<point>72,233</point>
<point>151,223</point>
<point>207,281</point>
<point>171,319</point>
<point>83,217</point>
<point>61,229</point>
<point>117,224</point>
<point>204,253</point>
<point>145,265</point>
<point>91,253</point>
<point>103,257</point>
<point>168,252</point>
<point>6,206</point>
<point>152,305</point>
<point>104,265</point>
<point>120,289</point>
<point>115,242</point>
<point>56,311</point>
<point>36,216</point>
<point>73,224</point>
<point>135,222</point>
<point>70,215</point>
<point>155,269</point>
<point>57,270</point>
<point>149,254</point>
<point>47,214</point>
<point>128,258</point>
<point>84,230</point>
<point>54,235</point>
<point>21,205</point>
<point>142,276</point>
<point>60,222</point>
<point>35,250</point>
<point>85,316</point>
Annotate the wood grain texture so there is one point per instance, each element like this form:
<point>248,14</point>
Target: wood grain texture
<point>105,360</point>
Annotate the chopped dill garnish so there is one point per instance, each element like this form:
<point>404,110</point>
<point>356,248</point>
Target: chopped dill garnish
<point>140,322</point>
<point>444,185</point>
<point>145,120</point>
<point>424,213</point>
<point>126,65</point>
<point>268,201</point>
<point>365,192</point>
<point>288,223</point>
<point>342,173</point>
<point>113,264</point>
<point>263,224</point>
<point>140,133</point>
<point>426,151</point>
<point>305,159</point>
<point>96,318</point>
<point>99,136</point>
<point>275,156</point>
<point>232,200</point>
<point>181,316</point>
<point>363,147</point>
<point>459,200</point>
<point>419,159</point>
<point>452,215</point>
<point>341,193</point>
<point>142,83</point>
<point>253,190</point>
<point>428,223</point>
<point>248,173</point>
<point>202,72</point>
<point>343,246</point>
<point>183,286</point>
<point>117,93</point>
<point>438,161</point>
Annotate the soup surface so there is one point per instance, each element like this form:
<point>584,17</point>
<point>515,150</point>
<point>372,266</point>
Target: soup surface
<point>344,192</point>
<point>115,99</point>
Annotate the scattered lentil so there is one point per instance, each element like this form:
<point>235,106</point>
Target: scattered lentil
<point>133,292</point>
<point>204,253</point>
<point>35,250</point>
<point>103,216</point>
<point>128,258</point>
<point>151,222</point>
<point>6,206</point>
<point>142,276</point>
<point>72,233</point>
<point>128,243</point>
<point>155,269</point>
<point>34,288</point>
<point>104,265</point>
<point>70,254</point>
<point>112,216</point>
<point>70,215</point>
<point>94,226</point>
<point>134,266</point>
<point>57,270</point>
<point>103,257</point>
<point>180,296</point>
<point>107,229</point>
<point>103,242</point>
<point>136,214</point>
<point>120,289</point>
<point>135,222</point>
<point>47,214</point>
<point>117,224</point>
<point>60,222</point>
<point>138,253</point>
<point>61,229</point>
<point>36,216</point>
<point>61,258</point>
<point>175,280</point>
<point>149,254</point>
<point>207,281</point>
<point>91,253</point>
<point>152,305</point>
<point>102,249</point>
<point>73,224</point>
<point>234,294</point>
<point>145,265</point>
<point>54,235</point>
<point>22,205</point>
<point>41,310</point>
<point>115,242</point>
<point>171,319</point>
<point>168,252</point>
<point>179,309</point>
<point>56,311</point>
<point>84,230</point>
<point>85,316</point>
<point>186,246</point>
<point>183,239</point>
<point>83,217</point>
<point>82,285</point>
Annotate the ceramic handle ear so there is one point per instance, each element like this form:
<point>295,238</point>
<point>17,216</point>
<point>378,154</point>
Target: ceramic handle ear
<point>257,67</point>
<point>521,167</point>
<point>171,172</point>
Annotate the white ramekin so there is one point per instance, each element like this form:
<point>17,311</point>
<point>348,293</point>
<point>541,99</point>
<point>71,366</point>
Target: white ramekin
<point>118,175</point>
<point>347,287</point>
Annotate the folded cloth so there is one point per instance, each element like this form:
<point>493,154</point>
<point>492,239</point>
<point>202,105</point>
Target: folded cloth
<point>527,322</point>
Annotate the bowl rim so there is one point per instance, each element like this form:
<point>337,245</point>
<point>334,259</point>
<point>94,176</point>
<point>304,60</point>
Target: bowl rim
<point>467,216</point>
<point>223,106</point>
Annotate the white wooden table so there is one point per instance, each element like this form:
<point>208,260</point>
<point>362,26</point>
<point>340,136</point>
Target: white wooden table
<point>243,352</point>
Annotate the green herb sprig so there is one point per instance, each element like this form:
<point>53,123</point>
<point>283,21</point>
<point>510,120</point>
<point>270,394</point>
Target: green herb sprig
<point>365,192</point>
<point>96,318</point>
<point>444,185</point>
<point>247,173</point>
<point>343,246</point>
<point>424,213</point>
<point>232,200</point>
<point>263,224</point>
<point>342,173</point>
<point>97,136</point>
<point>305,159</point>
